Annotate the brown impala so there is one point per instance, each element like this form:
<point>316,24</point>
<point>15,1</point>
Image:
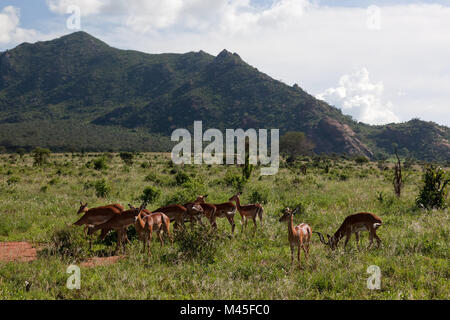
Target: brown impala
<point>226,209</point>
<point>298,236</point>
<point>120,223</point>
<point>146,222</point>
<point>355,223</point>
<point>248,211</point>
<point>96,216</point>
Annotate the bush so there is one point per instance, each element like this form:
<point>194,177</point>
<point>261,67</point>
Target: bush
<point>12,180</point>
<point>181,178</point>
<point>361,159</point>
<point>258,196</point>
<point>40,156</point>
<point>434,189</point>
<point>149,195</point>
<point>102,189</point>
<point>127,158</point>
<point>68,242</point>
<point>100,163</point>
<point>200,243</point>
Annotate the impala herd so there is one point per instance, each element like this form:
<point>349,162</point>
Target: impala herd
<point>115,217</point>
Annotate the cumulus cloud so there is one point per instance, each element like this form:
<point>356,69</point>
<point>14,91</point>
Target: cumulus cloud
<point>87,7</point>
<point>151,16</point>
<point>358,96</point>
<point>9,26</point>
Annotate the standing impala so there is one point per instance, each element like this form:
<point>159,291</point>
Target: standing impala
<point>151,221</point>
<point>226,209</point>
<point>209,210</point>
<point>248,211</point>
<point>354,223</point>
<point>299,236</point>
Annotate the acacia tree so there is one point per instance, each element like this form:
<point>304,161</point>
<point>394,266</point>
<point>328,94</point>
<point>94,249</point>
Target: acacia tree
<point>295,143</point>
<point>398,180</point>
<point>40,156</point>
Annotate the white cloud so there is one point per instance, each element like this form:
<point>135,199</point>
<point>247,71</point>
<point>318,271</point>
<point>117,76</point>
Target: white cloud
<point>87,7</point>
<point>9,26</point>
<point>358,96</point>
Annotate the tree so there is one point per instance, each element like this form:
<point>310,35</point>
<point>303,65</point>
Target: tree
<point>295,143</point>
<point>434,190</point>
<point>40,156</point>
<point>398,180</point>
<point>20,152</point>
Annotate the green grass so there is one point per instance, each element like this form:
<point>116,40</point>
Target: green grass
<point>40,203</point>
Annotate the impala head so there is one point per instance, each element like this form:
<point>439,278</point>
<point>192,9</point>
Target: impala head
<point>196,208</point>
<point>235,197</point>
<point>201,199</point>
<point>83,208</point>
<point>287,214</point>
<point>138,210</point>
<point>332,241</point>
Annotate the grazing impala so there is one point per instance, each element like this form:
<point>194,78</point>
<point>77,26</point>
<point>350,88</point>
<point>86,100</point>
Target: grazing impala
<point>226,209</point>
<point>299,236</point>
<point>209,210</point>
<point>96,216</point>
<point>194,213</point>
<point>248,211</point>
<point>354,223</point>
<point>120,223</point>
<point>152,221</point>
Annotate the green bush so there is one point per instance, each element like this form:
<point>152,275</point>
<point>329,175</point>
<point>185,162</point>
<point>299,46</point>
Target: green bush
<point>68,242</point>
<point>102,189</point>
<point>150,194</point>
<point>100,163</point>
<point>181,178</point>
<point>361,159</point>
<point>434,189</point>
<point>127,158</point>
<point>12,180</point>
<point>40,156</point>
<point>200,243</point>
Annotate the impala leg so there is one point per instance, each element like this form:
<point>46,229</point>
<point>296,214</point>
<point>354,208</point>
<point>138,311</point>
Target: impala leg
<point>347,238</point>
<point>357,240</point>
<point>298,254</point>
<point>292,254</point>
<point>161,238</point>
<point>231,221</point>
<point>370,238</point>
<point>377,238</point>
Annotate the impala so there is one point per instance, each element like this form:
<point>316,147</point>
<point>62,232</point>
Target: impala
<point>248,211</point>
<point>209,210</point>
<point>152,221</point>
<point>120,223</point>
<point>96,216</point>
<point>175,212</point>
<point>299,236</point>
<point>194,212</point>
<point>226,209</point>
<point>354,223</point>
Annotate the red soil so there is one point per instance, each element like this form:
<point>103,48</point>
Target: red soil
<point>17,251</point>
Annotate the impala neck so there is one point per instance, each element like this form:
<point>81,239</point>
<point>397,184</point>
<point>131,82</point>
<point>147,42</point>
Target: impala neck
<point>238,203</point>
<point>290,225</point>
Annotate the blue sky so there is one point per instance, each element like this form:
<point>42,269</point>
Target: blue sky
<point>379,61</point>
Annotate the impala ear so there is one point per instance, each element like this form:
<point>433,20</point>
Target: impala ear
<point>205,196</point>
<point>81,203</point>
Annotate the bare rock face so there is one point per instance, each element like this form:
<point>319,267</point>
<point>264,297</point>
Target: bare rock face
<point>333,136</point>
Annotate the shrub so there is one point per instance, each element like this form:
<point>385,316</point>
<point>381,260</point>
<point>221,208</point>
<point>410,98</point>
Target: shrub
<point>434,189</point>
<point>68,242</point>
<point>361,159</point>
<point>259,196</point>
<point>40,156</point>
<point>181,178</point>
<point>12,180</point>
<point>149,195</point>
<point>100,163</point>
<point>200,243</point>
<point>102,189</point>
<point>127,158</point>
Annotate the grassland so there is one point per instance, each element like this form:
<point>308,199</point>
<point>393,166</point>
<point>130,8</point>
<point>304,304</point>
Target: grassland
<point>39,204</point>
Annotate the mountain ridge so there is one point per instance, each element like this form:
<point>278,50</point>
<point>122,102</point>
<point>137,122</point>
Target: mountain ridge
<point>80,78</point>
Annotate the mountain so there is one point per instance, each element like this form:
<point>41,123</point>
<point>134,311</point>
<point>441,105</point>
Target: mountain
<point>77,92</point>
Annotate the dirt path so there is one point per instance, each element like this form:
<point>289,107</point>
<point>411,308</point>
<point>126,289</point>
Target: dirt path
<point>100,261</point>
<point>17,251</point>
